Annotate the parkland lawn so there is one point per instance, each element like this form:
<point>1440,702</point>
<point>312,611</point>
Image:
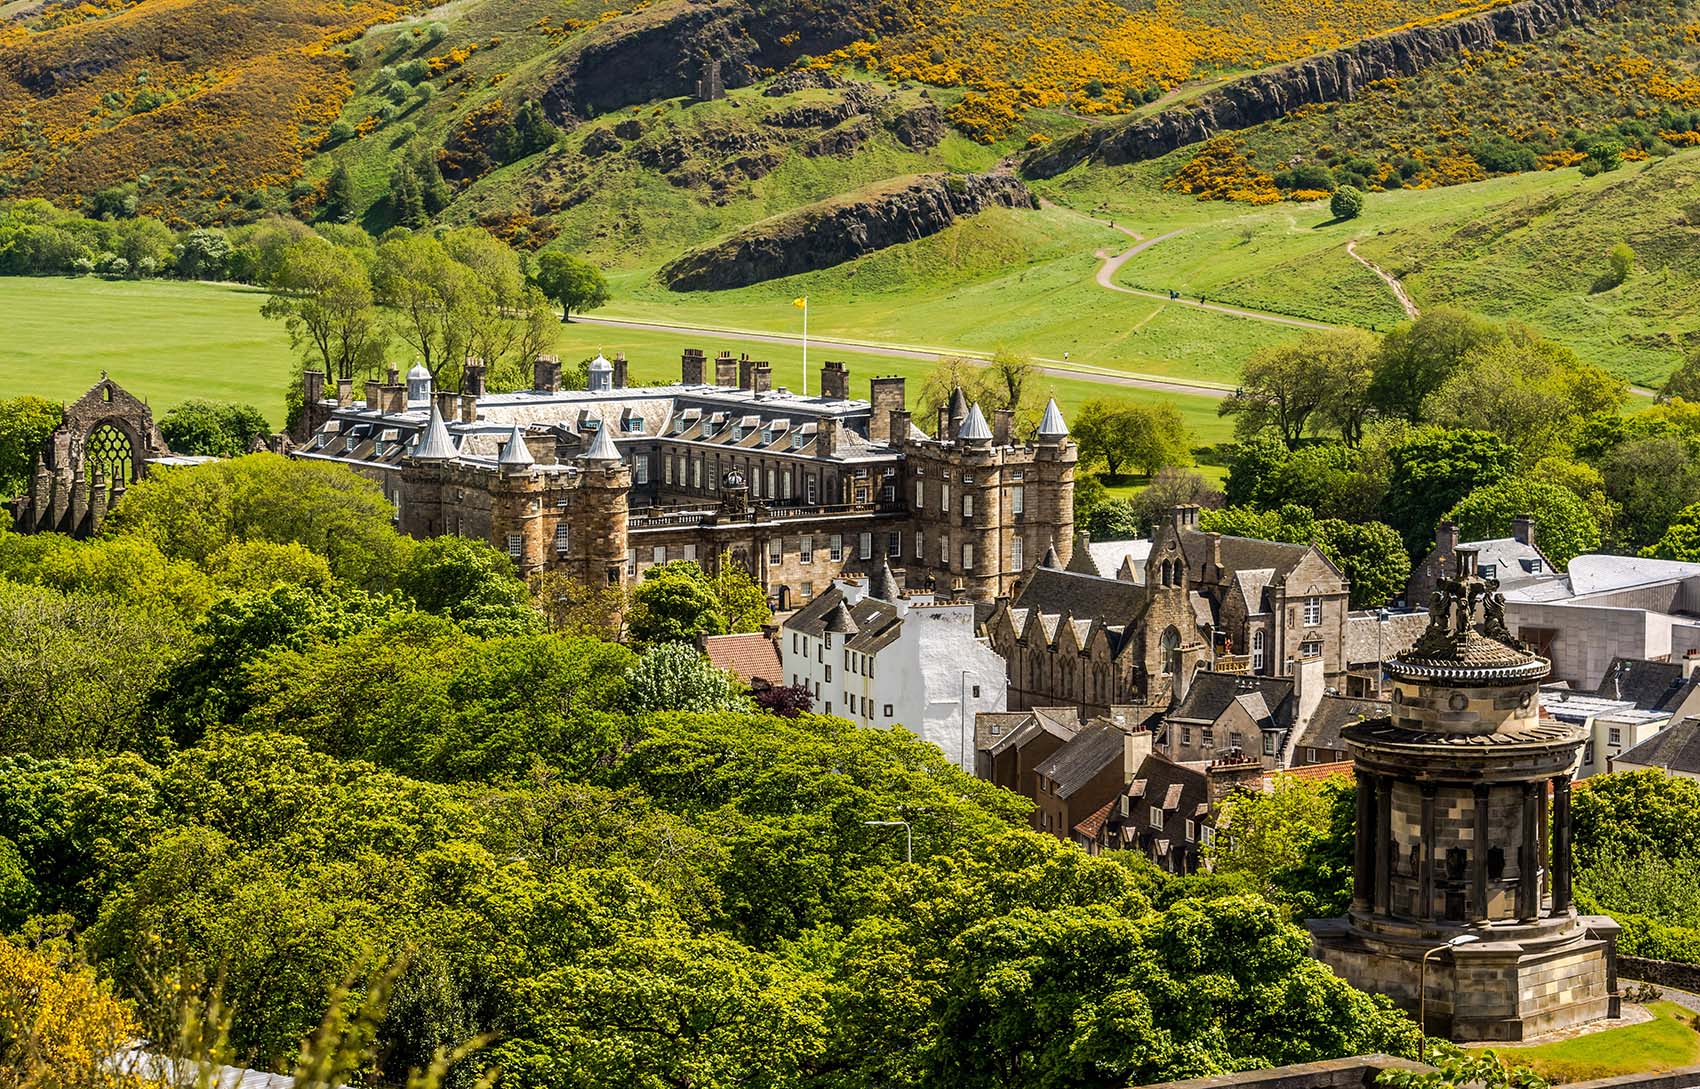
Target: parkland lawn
<point>170,342</point>
<point>1667,1042</point>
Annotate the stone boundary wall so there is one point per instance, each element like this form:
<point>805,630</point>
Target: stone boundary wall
<point>1362,1070</point>
<point>1663,973</point>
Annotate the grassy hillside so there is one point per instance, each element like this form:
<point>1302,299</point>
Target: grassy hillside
<point>1530,246</point>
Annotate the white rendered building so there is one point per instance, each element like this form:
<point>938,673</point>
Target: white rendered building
<point>878,656</point>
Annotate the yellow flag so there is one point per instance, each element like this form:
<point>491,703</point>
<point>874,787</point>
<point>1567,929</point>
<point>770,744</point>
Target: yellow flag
<point>801,302</point>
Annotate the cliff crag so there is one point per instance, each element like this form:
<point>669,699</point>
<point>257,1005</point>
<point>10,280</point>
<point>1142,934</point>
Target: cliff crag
<point>843,229</point>
<point>660,51</point>
<point>1335,76</point>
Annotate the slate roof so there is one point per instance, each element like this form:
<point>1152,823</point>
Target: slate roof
<point>1675,749</point>
<point>1105,558</point>
<point>1054,593</point>
<point>1650,686</point>
<point>1244,553</point>
<point>1083,757</point>
<point>1212,693</point>
<point>1182,791</point>
<point>1335,713</point>
<point>748,657</point>
<point>1511,561</point>
<point>875,623</point>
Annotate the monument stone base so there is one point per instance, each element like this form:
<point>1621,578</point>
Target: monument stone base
<point>1517,981</point>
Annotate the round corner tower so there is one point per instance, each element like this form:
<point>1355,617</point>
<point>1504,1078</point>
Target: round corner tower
<point>1463,852</point>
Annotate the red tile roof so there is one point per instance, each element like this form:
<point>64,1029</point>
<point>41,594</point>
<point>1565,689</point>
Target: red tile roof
<point>1319,771</point>
<point>1092,824</point>
<point>748,657</point>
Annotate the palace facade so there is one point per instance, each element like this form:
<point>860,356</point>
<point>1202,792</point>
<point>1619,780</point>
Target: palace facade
<point>604,482</point>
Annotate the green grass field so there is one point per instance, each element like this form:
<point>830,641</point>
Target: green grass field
<point>166,341</point>
<point>1665,1043</point>
<point>171,342</point>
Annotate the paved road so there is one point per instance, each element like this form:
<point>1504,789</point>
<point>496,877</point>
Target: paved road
<point>1387,278</point>
<point>1056,367</point>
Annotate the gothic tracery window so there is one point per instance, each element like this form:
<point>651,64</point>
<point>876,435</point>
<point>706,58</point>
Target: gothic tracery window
<point>108,452</point>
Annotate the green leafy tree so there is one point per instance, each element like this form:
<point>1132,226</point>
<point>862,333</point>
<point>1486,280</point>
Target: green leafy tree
<point>1684,382</point>
<point>1171,488</point>
<point>1252,461</point>
<point>1567,529</point>
<point>1291,843</point>
<point>469,582</point>
<point>1530,391</point>
<point>407,196</point>
<point>25,423</point>
<point>323,295</point>
<point>1346,203</point>
<point>743,603</point>
<point>212,429</point>
<point>1653,480</point>
<point>204,255</point>
<point>1370,555</point>
<point>1681,538</point>
<point>1431,470</point>
<point>1621,260</point>
<point>190,513</point>
<point>676,677</point>
<point>1416,358</point>
<point>571,281</point>
<point>679,602</point>
<point>340,203</point>
<point>1320,378</point>
<point>1113,520</point>
<point>1149,436</point>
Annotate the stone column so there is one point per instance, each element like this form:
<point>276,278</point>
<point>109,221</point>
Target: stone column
<point>1384,844</point>
<point>1561,845</point>
<point>1479,854</point>
<point>1363,861</point>
<point>1425,855</point>
<point>1529,856</point>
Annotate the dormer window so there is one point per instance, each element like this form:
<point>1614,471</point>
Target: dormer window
<point>1488,570</point>
<point>634,425</point>
<point>796,440</point>
<point>738,433</point>
<point>1534,567</point>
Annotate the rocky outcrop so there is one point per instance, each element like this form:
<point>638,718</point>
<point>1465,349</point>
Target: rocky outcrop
<point>920,128</point>
<point>843,229</point>
<point>660,51</point>
<point>1337,76</point>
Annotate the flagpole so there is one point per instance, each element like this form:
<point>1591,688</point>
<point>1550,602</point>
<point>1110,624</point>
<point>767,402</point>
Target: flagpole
<point>805,345</point>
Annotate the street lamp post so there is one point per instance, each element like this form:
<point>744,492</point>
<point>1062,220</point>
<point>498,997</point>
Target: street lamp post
<point>1422,989</point>
<point>908,836</point>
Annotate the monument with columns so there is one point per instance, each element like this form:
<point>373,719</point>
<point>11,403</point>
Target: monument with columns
<point>1462,873</point>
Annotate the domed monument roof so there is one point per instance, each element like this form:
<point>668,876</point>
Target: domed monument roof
<point>1452,652</point>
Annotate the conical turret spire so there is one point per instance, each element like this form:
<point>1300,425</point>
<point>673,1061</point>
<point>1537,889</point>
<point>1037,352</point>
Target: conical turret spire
<point>435,443</point>
<point>515,453</point>
<point>602,448</point>
<point>1052,426</point>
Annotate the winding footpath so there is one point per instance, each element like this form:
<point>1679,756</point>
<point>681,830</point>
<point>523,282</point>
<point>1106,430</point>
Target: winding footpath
<point>1387,278</point>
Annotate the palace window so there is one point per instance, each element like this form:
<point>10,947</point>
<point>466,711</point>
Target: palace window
<point>920,494</point>
<point>770,492</point>
<point>696,473</point>
<point>1015,553</point>
<point>640,469</point>
<point>944,498</point>
<point>920,542</point>
<point>1310,648</point>
<point>809,489</point>
<point>944,551</point>
<point>968,557</point>
<point>1257,652</point>
<point>1614,735</point>
<point>1018,499</point>
<point>634,425</point>
<point>1313,611</point>
<point>1191,830</point>
<point>1268,744</point>
<point>516,545</point>
<point>806,551</point>
<point>631,562</point>
<point>1170,647</point>
<point>561,538</point>
<point>786,481</point>
<point>835,548</point>
<point>775,551</point>
<point>865,547</point>
<point>968,506</point>
<point>658,554</point>
<point>1155,818</point>
<point>1186,735</point>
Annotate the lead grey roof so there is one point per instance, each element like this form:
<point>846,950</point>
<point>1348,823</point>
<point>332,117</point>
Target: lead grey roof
<point>434,443</point>
<point>1082,758</point>
<point>602,448</point>
<point>974,429</point>
<point>1052,424</point>
<point>515,453</point>
<point>1335,713</point>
